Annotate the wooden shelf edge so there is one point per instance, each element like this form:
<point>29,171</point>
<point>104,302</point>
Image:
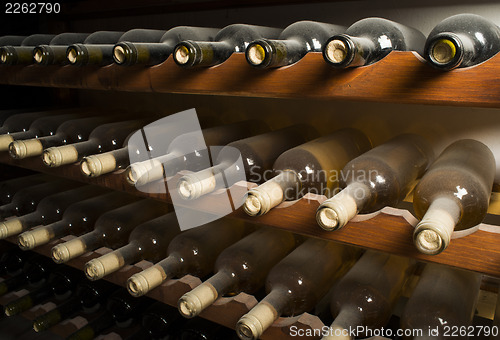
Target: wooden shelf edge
<point>401,77</point>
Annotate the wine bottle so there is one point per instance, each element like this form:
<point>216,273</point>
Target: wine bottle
<point>111,230</point>
<point>10,187</point>
<point>366,295</point>
<point>192,252</point>
<point>14,40</point>
<point>69,132</point>
<point>49,210</point>
<point>230,39</point>
<point>12,261</point>
<point>258,154</point>
<point>154,53</point>
<point>160,321</point>
<point>176,158</point>
<point>381,177</point>
<point>296,284</point>
<point>60,285</point>
<point>45,126</point>
<point>79,218</point>
<point>462,40</point>
<point>104,138</point>
<point>23,54</point>
<point>26,200</point>
<point>54,53</point>
<point>307,168</point>
<point>454,194</point>
<point>444,298</point>
<point>242,267</point>
<point>147,241</point>
<point>293,44</point>
<point>7,113</point>
<point>89,297</point>
<point>35,272</point>
<point>97,49</point>
<point>202,329</point>
<point>369,40</point>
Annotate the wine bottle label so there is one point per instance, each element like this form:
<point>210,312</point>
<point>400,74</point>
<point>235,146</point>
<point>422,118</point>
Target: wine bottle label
<point>10,227</point>
<point>194,302</point>
<point>98,268</point>
<point>57,156</point>
<point>254,323</point>
<point>34,238</point>
<point>5,141</point>
<point>68,250</point>
<point>96,165</point>
<point>25,148</point>
<point>141,283</point>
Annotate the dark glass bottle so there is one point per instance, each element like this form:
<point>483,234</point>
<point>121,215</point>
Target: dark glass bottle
<point>308,168</point>
<point>45,126</point>
<point>69,132</point>
<point>60,285</point>
<point>154,53</point>
<point>454,194</point>
<point>89,297</point>
<point>111,230</point>
<point>23,54</point>
<point>14,40</point>
<point>26,200</point>
<point>242,267</point>
<point>444,298</point>
<point>106,137</point>
<point>10,187</point>
<point>97,49</point>
<point>54,53</point>
<point>369,40</point>
<point>381,177</point>
<point>202,329</point>
<point>230,39</point>
<point>192,252</point>
<point>4,114</point>
<point>462,40</point>
<point>12,261</point>
<point>296,284</point>
<point>49,210</point>
<point>176,159</point>
<point>149,241</point>
<point>161,321</point>
<point>258,154</point>
<point>293,44</point>
<point>78,219</point>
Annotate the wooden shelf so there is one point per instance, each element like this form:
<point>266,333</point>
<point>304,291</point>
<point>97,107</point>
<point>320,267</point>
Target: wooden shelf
<point>388,233</point>
<point>401,77</point>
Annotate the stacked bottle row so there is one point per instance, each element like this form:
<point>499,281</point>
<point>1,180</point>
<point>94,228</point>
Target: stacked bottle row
<point>453,192</point>
<point>458,41</point>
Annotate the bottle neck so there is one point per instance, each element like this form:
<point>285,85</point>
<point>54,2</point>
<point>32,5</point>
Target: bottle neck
<point>18,225</point>
<point>345,324</point>
<point>7,210</point>
<point>145,54</point>
<point>99,267</point>
<point>202,54</point>
<point>94,328</point>
<point>346,51</point>
<point>88,54</point>
<point>38,236</point>
<point>66,251</point>
<point>267,53</point>
<point>450,50</point>
<point>197,184</point>
<point>69,154</point>
<point>16,55</point>
<point>64,311</point>
<point>50,55</point>
<point>141,283</point>
<point>28,301</point>
<point>97,165</point>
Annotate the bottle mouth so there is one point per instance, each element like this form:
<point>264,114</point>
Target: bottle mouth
<point>42,55</point>
<point>444,51</point>
<point>8,55</point>
<point>258,53</point>
<point>186,54</point>
<point>338,51</point>
<point>77,54</point>
<point>124,54</point>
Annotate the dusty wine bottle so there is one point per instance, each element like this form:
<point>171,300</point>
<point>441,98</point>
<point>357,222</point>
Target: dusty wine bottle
<point>293,44</point>
<point>10,187</point>
<point>230,39</point>
<point>26,200</point>
<point>154,53</point>
<point>14,40</point>
<point>242,267</point>
<point>258,154</point>
<point>296,284</point>
<point>111,230</point>
<point>79,218</point>
<point>366,295</point>
<point>97,49</point>
<point>192,252</point>
<point>147,241</point>
<point>54,53</point>
<point>69,132</point>
<point>106,137</point>
<point>310,167</point>
<point>369,40</point>
<point>453,194</point>
<point>89,297</point>
<point>49,210</point>
<point>381,177</point>
<point>444,297</point>
<point>176,159</point>
<point>161,321</point>
<point>23,54</point>
<point>22,121</point>
<point>462,40</point>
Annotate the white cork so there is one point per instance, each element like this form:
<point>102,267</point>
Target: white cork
<point>141,283</point>
<point>263,198</point>
<point>254,323</point>
<point>336,51</point>
<point>61,155</point>
<point>25,148</point>
<point>10,227</point>
<point>141,173</point>
<point>192,186</point>
<point>335,212</point>
<point>256,54</point>
<point>97,268</point>
<point>66,251</point>
<point>34,238</point>
<point>182,54</point>
<point>194,302</point>
<point>97,165</point>
<point>5,141</point>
